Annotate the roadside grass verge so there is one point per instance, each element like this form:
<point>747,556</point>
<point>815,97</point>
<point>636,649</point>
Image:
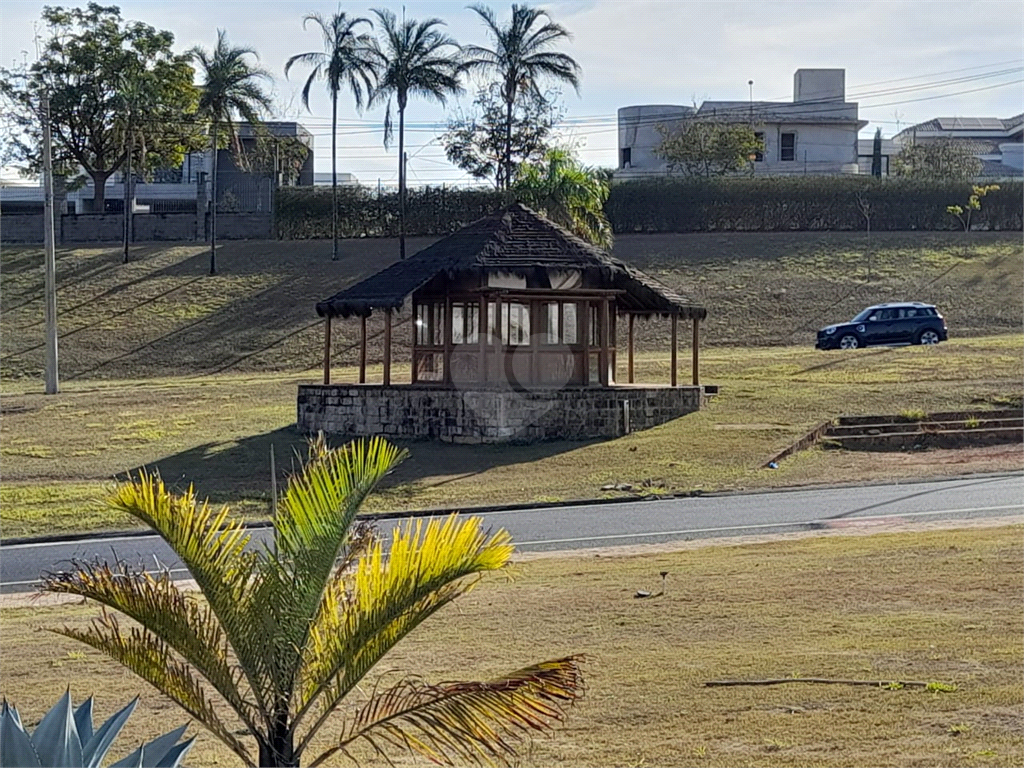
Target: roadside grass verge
<point>939,606</point>
<point>59,452</point>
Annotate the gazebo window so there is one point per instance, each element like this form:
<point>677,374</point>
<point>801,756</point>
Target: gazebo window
<point>515,324</point>
<point>561,323</point>
<point>465,323</point>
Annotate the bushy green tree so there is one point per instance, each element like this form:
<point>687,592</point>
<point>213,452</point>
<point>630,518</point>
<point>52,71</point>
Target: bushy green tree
<point>98,70</point>
<point>477,143</point>
<point>940,160</point>
<point>699,147</point>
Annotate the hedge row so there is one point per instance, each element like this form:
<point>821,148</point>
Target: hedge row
<point>716,205</point>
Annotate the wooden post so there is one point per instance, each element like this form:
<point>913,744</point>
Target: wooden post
<point>387,347</point>
<point>584,323</point>
<point>629,364</point>
<point>534,339</point>
<point>498,346</point>
<point>327,350</point>
<point>696,355</point>
<point>481,331</point>
<point>675,346</point>
<point>613,344</point>
<point>603,357</point>
<point>447,338</point>
<point>415,341</point>
<point>362,349</point>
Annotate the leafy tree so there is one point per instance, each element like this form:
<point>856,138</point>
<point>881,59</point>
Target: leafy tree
<point>941,160</point>
<point>286,632</point>
<point>876,155</point>
<point>708,148</point>
<point>98,70</point>
<point>477,144</point>
<point>413,58</point>
<point>271,154</point>
<point>231,86</point>
<point>345,60</point>
<point>964,212</point>
<point>568,193</point>
<point>521,58</point>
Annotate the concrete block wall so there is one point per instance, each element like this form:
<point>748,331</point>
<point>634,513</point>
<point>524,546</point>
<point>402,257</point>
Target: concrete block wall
<point>92,228</point>
<point>488,416</point>
<point>164,226</point>
<point>21,228</point>
<point>244,226</point>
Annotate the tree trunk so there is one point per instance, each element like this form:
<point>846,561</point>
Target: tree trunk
<point>213,202</point>
<point>99,195</point>
<point>279,751</point>
<point>508,144</point>
<point>401,180</point>
<point>334,173</point>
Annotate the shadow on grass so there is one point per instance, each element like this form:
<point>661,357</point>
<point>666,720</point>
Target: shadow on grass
<point>240,470</point>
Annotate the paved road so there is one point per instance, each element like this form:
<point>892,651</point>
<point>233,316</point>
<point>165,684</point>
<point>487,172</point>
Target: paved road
<point>627,523</point>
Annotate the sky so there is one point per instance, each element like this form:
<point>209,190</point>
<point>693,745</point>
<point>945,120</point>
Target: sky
<point>906,61</point>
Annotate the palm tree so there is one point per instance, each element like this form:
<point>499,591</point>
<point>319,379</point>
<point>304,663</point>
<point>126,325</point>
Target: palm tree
<point>414,58</point>
<point>568,193</point>
<point>521,59</point>
<point>286,631</point>
<point>231,86</point>
<point>345,60</point>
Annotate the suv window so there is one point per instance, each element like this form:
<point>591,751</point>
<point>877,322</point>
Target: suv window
<point>908,312</point>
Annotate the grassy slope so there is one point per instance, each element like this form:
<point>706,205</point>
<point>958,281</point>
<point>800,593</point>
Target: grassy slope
<point>874,607</point>
<point>162,316</point>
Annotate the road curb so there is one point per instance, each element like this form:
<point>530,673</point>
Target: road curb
<point>481,510</point>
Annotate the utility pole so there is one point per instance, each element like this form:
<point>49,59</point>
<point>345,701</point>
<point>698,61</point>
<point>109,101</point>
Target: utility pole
<point>50,257</point>
<point>128,190</point>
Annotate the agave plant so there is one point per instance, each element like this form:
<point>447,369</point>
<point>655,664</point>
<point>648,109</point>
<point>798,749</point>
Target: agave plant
<point>287,631</point>
<point>65,737</point>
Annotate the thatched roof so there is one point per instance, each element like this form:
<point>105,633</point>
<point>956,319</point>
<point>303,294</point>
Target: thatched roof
<point>515,239</point>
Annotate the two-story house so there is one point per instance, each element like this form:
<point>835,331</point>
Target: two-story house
<point>998,143</point>
<point>816,133</point>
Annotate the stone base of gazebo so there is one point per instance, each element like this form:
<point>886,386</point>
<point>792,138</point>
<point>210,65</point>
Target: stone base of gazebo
<point>411,412</point>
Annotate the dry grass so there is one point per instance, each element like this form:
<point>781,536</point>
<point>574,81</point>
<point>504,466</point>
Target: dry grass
<point>58,453</point>
<point>934,605</point>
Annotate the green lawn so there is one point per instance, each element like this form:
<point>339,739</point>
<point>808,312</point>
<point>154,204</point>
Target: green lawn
<point>60,453</point>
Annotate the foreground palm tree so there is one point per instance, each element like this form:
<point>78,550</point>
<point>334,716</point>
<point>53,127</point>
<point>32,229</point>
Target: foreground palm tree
<point>345,60</point>
<point>521,58</point>
<point>231,86</point>
<point>568,193</point>
<point>413,58</point>
<point>287,631</point>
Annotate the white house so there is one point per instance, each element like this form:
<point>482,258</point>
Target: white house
<point>816,133</point>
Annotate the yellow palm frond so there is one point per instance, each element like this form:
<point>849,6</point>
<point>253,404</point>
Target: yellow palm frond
<point>363,616</point>
<point>456,723</point>
<point>150,658</point>
<point>311,529</point>
<point>186,625</point>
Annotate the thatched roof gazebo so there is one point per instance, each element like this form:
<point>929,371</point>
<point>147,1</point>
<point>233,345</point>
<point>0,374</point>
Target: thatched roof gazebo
<point>511,302</point>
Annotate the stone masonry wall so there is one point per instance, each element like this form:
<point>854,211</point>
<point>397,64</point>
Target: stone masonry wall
<point>488,416</point>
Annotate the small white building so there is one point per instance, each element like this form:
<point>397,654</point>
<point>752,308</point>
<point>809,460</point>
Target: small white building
<point>816,133</point>
<point>998,143</point>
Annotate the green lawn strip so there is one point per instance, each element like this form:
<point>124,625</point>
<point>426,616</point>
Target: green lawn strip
<point>218,431</point>
<point>939,606</point>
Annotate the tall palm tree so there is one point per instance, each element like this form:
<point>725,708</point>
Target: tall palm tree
<point>286,631</point>
<point>568,193</point>
<point>413,58</point>
<point>521,59</point>
<point>345,60</point>
<point>231,86</point>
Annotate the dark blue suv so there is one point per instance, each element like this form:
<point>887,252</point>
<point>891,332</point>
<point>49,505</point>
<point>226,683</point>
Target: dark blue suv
<point>908,322</point>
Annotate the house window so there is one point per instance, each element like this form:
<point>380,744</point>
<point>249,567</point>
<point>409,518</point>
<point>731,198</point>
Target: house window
<point>787,147</point>
<point>465,323</point>
<point>625,157</point>
<point>759,152</point>
<point>515,324</point>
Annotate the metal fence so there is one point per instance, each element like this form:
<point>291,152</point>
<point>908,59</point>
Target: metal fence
<point>242,192</point>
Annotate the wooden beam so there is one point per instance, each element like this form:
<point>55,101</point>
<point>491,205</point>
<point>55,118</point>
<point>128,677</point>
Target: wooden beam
<point>481,331</point>
<point>675,347</point>
<point>447,339</point>
<point>387,347</point>
<point>629,364</point>
<point>696,352</point>
<point>613,318</point>
<point>603,358</point>
<point>362,349</point>
<point>499,354</point>
<point>415,340</point>
<point>584,329</point>
<point>327,350</point>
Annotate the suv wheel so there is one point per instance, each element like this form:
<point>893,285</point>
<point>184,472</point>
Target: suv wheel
<point>928,336</point>
<point>849,341</point>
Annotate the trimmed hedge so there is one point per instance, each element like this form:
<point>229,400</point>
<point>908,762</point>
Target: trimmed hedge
<point>815,203</point>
